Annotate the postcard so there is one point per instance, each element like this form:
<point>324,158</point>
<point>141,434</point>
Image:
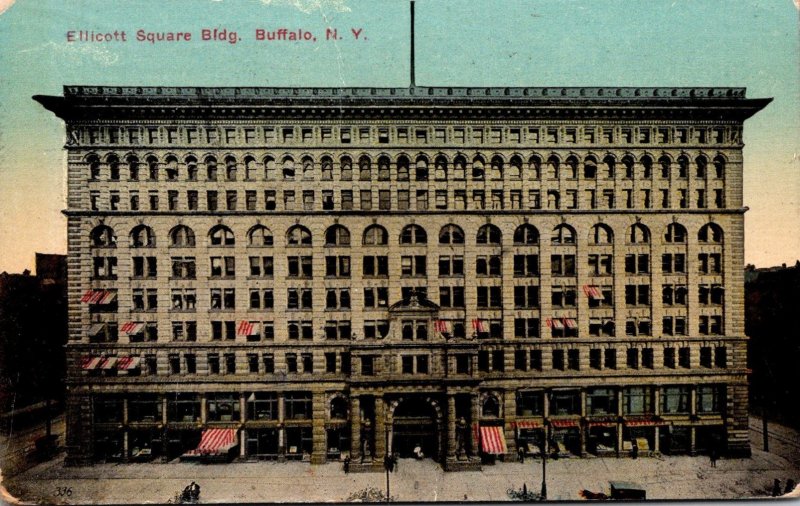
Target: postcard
<point>398,250</point>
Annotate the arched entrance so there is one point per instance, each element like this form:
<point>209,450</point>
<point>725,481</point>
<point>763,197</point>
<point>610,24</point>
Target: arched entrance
<point>416,421</point>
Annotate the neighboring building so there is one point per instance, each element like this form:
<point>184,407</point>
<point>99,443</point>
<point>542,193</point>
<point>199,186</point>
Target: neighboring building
<point>33,332</point>
<point>772,302</point>
<point>311,272</point>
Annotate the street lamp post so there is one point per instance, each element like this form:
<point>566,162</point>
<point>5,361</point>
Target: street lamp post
<point>387,465</point>
<point>543,448</point>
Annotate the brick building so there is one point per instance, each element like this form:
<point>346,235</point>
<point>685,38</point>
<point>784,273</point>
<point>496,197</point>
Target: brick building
<point>317,272</point>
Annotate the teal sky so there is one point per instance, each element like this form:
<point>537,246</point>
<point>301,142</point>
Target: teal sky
<point>459,42</point>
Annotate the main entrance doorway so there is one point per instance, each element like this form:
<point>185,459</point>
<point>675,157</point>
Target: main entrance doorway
<point>414,424</point>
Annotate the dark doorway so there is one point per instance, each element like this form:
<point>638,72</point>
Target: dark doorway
<point>414,425</point>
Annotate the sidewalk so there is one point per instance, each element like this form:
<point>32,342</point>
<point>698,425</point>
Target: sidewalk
<point>665,478</point>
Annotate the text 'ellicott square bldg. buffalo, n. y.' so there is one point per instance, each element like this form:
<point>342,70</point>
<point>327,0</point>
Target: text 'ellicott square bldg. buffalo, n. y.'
<point>314,273</point>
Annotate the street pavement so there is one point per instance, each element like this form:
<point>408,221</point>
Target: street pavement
<point>663,478</point>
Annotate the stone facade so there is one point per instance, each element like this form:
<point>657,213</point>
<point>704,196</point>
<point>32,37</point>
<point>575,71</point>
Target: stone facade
<point>360,272</point>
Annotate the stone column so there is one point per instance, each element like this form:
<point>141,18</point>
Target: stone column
<point>203,408</point>
<point>620,399</point>
<point>281,428</point>
<point>164,431</point>
<point>125,443</point>
<point>546,416</point>
<point>355,428</point>
<point>693,412</point>
<point>656,442</point>
<point>476,414</point>
<point>318,448</point>
<point>243,431</point>
<point>451,426</point>
<point>380,446</point>
<point>583,429</point>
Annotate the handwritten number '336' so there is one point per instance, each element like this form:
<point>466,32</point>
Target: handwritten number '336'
<point>63,492</point>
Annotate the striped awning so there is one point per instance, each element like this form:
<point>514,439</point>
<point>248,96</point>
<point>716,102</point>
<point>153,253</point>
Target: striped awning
<point>645,421</point>
<point>593,292</point>
<point>132,328</point>
<point>603,421</point>
<point>127,363</point>
<point>493,441</point>
<point>215,441</point>
<point>245,328</point>
<point>96,328</point>
<point>109,363</point>
<point>527,424</point>
<point>564,424</point>
<point>89,363</point>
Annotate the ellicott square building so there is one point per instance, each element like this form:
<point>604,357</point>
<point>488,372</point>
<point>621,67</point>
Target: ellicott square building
<point>315,273</point>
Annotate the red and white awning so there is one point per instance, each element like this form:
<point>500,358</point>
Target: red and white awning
<point>605,421</point>
<point>109,363</point>
<point>132,328</point>
<point>101,297</point>
<point>570,323</point>
<point>493,441</point>
<point>88,363</point>
<point>555,323</point>
<point>442,326</point>
<point>527,424</point>
<point>245,328</point>
<point>480,325</point>
<point>127,363</point>
<point>215,441</point>
<point>644,422</point>
<point>564,424</point>
<point>593,292</point>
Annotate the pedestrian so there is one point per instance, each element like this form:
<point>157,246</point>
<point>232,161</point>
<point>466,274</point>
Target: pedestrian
<point>713,456</point>
<point>195,492</point>
<point>634,450</point>
<point>790,484</point>
<point>395,461</point>
<point>521,454</point>
<point>776,488</point>
<point>346,464</point>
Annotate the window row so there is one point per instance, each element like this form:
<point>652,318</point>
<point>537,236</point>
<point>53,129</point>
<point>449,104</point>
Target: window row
<point>403,168</point>
<point>143,236</point>
<point>410,200</point>
<point>416,330</point>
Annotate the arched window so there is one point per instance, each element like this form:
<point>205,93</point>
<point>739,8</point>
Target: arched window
<point>478,170</point>
<point>563,234</point>
<point>611,163</point>
<point>171,167</point>
<point>535,166</point>
<point>346,167</point>
<point>152,167</point>
<point>384,174</point>
<point>191,168</point>
<point>211,168</point>
<point>337,235</point>
<point>602,234</point>
<point>221,235</point>
<point>628,163</point>
<point>515,167</point>
<point>526,234</point>
<point>701,163</point>
<point>230,168</point>
<point>298,235</point>
<point>326,164</point>
<point>142,236</point>
<point>451,234</point>
<point>647,166</point>
<point>719,167</point>
<point>288,168</point>
<point>571,164</point>
<point>260,235</point>
<point>710,232</point>
<point>103,236</point>
<point>181,236</point>
<point>133,167</point>
<point>553,164</point>
<point>489,234</point>
<point>413,234</point>
<point>375,235</point>
<point>683,166</point>
<point>308,167</point>
<point>590,167</point>
<point>440,167</point>
<point>497,167</point>
<point>338,408</point>
<point>113,166</point>
<point>639,234</point>
<point>250,168</point>
<point>364,168</point>
<point>459,167</point>
<point>491,407</point>
<point>403,164</point>
<point>676,233</point>
<point>665,163</point>
<point>422,168</point>
<point>94,167</point>
<point>269,168</point>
